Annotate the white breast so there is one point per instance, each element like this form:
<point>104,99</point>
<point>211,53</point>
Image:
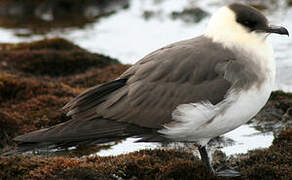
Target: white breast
<point>243,107</point>
<point>200,122</point>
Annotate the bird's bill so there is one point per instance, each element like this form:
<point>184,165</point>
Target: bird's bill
<point>277,29</point>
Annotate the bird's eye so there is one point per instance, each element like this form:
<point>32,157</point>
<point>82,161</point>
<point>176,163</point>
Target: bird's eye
<point>249,24</point>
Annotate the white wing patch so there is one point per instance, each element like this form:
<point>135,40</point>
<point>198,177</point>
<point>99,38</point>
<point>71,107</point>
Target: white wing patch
<point>188,118</point>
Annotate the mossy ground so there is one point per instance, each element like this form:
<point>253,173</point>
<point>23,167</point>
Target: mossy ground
<point>38,78</point>
<point>272,163</point>
<point>33,91</point>
<point>52,57</point>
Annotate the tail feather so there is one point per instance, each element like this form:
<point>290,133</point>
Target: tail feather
<point>85,127</point>
<point>73,133</point>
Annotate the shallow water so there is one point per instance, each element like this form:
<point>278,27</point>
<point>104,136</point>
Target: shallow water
<point>243,139</point>
<point>127,36</point>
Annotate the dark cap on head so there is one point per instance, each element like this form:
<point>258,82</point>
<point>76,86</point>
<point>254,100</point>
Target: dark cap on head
<point>254,20</point>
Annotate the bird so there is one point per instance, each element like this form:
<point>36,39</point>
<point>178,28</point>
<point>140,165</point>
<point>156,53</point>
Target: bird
<point>189,91</point>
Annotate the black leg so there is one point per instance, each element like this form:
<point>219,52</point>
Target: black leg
<point>205,159</point>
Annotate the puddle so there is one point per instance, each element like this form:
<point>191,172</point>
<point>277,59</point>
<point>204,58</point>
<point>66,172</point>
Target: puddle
<point>247,138</point>
<point>127,146</point>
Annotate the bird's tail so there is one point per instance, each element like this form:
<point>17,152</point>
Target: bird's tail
<point>73,133</point>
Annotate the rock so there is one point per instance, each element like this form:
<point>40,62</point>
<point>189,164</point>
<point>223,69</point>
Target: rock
<point>148,14</point>
<point>190,15</point>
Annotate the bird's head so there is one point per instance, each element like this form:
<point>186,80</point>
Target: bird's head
<point>241,23</point>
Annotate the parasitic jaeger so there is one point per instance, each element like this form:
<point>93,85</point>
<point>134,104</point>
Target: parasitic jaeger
<point>189,91</point>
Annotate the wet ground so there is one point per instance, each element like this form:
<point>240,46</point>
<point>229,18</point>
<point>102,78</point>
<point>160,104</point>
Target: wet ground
<point>38,78</point>
<point>272,163</point>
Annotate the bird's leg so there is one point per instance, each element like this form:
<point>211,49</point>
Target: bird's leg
<point>205,159</point>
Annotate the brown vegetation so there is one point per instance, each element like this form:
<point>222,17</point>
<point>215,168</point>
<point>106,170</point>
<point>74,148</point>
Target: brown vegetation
<point>38,78</point>
<point>272,163</point>
<point>51,57</point>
